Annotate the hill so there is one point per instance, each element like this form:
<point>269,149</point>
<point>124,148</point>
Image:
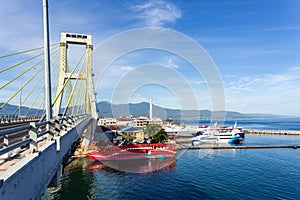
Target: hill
<point>10,109</point>
<point>106,109</point>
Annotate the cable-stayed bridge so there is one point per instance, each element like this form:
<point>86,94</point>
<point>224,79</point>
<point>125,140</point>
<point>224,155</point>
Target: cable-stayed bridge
<point>34,147</point>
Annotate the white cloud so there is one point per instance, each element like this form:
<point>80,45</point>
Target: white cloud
<point>270,92</point>
<point>171,64</point>
<point>157,13</point>
<point>148,81</point>
<point>237,84</point>
<point>118,70</point>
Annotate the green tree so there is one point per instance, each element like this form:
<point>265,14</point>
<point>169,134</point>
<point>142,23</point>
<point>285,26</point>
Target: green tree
<point>152,129</point>
<point>161,136</point>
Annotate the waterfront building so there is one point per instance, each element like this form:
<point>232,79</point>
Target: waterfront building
<point>123,121</point>
<point>132,133</point>
<point>144,121</point>
<point>107,122</point>
<point>140,121</point>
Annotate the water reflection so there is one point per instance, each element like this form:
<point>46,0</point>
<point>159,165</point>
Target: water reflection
<point>76,183</point>
<point>134,166</point>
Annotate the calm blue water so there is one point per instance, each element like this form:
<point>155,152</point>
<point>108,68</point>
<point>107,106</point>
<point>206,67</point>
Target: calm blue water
<point>258,123</point>
<point>196,174</point>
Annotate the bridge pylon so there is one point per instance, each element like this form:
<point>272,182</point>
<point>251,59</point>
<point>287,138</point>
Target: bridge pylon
<point>65,74</point>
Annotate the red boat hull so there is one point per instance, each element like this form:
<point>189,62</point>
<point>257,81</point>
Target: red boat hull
<point>134,152</point>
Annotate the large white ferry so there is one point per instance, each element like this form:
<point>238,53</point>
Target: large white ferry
<point>182,130</point>
<point>215,134</point>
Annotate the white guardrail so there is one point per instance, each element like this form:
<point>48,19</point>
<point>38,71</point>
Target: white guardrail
<point>28,136</point>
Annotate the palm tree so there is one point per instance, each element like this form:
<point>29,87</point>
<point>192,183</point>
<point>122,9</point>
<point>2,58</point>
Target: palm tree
<point>161,136</point>
<point>152,129</point>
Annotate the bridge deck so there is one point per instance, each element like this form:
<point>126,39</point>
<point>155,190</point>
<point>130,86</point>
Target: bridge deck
<point>15,156</point>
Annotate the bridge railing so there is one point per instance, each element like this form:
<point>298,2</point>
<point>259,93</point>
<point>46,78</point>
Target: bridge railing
<point>6,119</point>
<point>28,136</point>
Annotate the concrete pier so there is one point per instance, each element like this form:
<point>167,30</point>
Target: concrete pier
<point>272,132</point>
<point>178,147</point>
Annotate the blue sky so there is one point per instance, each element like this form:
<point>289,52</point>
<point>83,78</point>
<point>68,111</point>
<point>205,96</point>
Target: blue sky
<point>254,44</point>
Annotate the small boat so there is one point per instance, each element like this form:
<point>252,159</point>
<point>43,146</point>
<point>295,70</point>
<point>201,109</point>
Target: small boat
<point>215,134</point>
<point>134,151</point>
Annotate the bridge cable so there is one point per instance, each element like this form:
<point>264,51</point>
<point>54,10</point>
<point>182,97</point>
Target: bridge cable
<point>80,88</point>
<point>55,55</point>
<point>40,106</point>
<point>24,72</point>
<point>67,81</point>
<point>24,61</point>
<point>81,108</point>
<point>54,72</point>
<point>81,92</point>
<point>35,99</point>
<point>73,89</point>
<point>4,104</point>
<point>26,51</point>
<point>27,96</point>
<point>42,102</point>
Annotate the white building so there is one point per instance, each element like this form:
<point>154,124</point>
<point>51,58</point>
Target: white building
<point>126,121</point>
<point>107,122</point>
<point>144,121</point>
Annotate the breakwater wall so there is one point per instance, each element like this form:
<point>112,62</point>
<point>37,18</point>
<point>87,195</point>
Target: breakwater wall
<point>272,132</point>
<point>179,146</point>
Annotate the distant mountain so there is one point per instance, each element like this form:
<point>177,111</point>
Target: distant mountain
<point>106,109</point>
<point>10,109</point>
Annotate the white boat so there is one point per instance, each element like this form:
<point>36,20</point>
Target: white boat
<point>182,130</point>
<point>215,134</point>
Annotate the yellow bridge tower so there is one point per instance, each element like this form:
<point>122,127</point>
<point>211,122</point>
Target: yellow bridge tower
<point>65,74</point>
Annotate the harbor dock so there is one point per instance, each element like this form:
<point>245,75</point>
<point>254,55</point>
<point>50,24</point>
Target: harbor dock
<point>179,147</point>
<point>272,132</point>
<point>181,142</point>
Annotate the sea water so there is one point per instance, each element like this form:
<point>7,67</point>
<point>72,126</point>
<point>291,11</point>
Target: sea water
<point>256,123</point>
<point>196,174</point>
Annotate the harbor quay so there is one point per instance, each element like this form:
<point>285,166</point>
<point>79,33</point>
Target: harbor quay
<point>184,141</point>
<point>272,132</point>
<point>181,146</point>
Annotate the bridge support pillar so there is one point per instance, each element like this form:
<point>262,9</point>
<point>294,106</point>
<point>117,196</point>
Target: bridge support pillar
<point>88,136</point>
<point>56,178</point>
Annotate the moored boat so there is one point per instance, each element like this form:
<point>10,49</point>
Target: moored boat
<point>215,134</point>
<point>182,130</point>
<point>134,151</point>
